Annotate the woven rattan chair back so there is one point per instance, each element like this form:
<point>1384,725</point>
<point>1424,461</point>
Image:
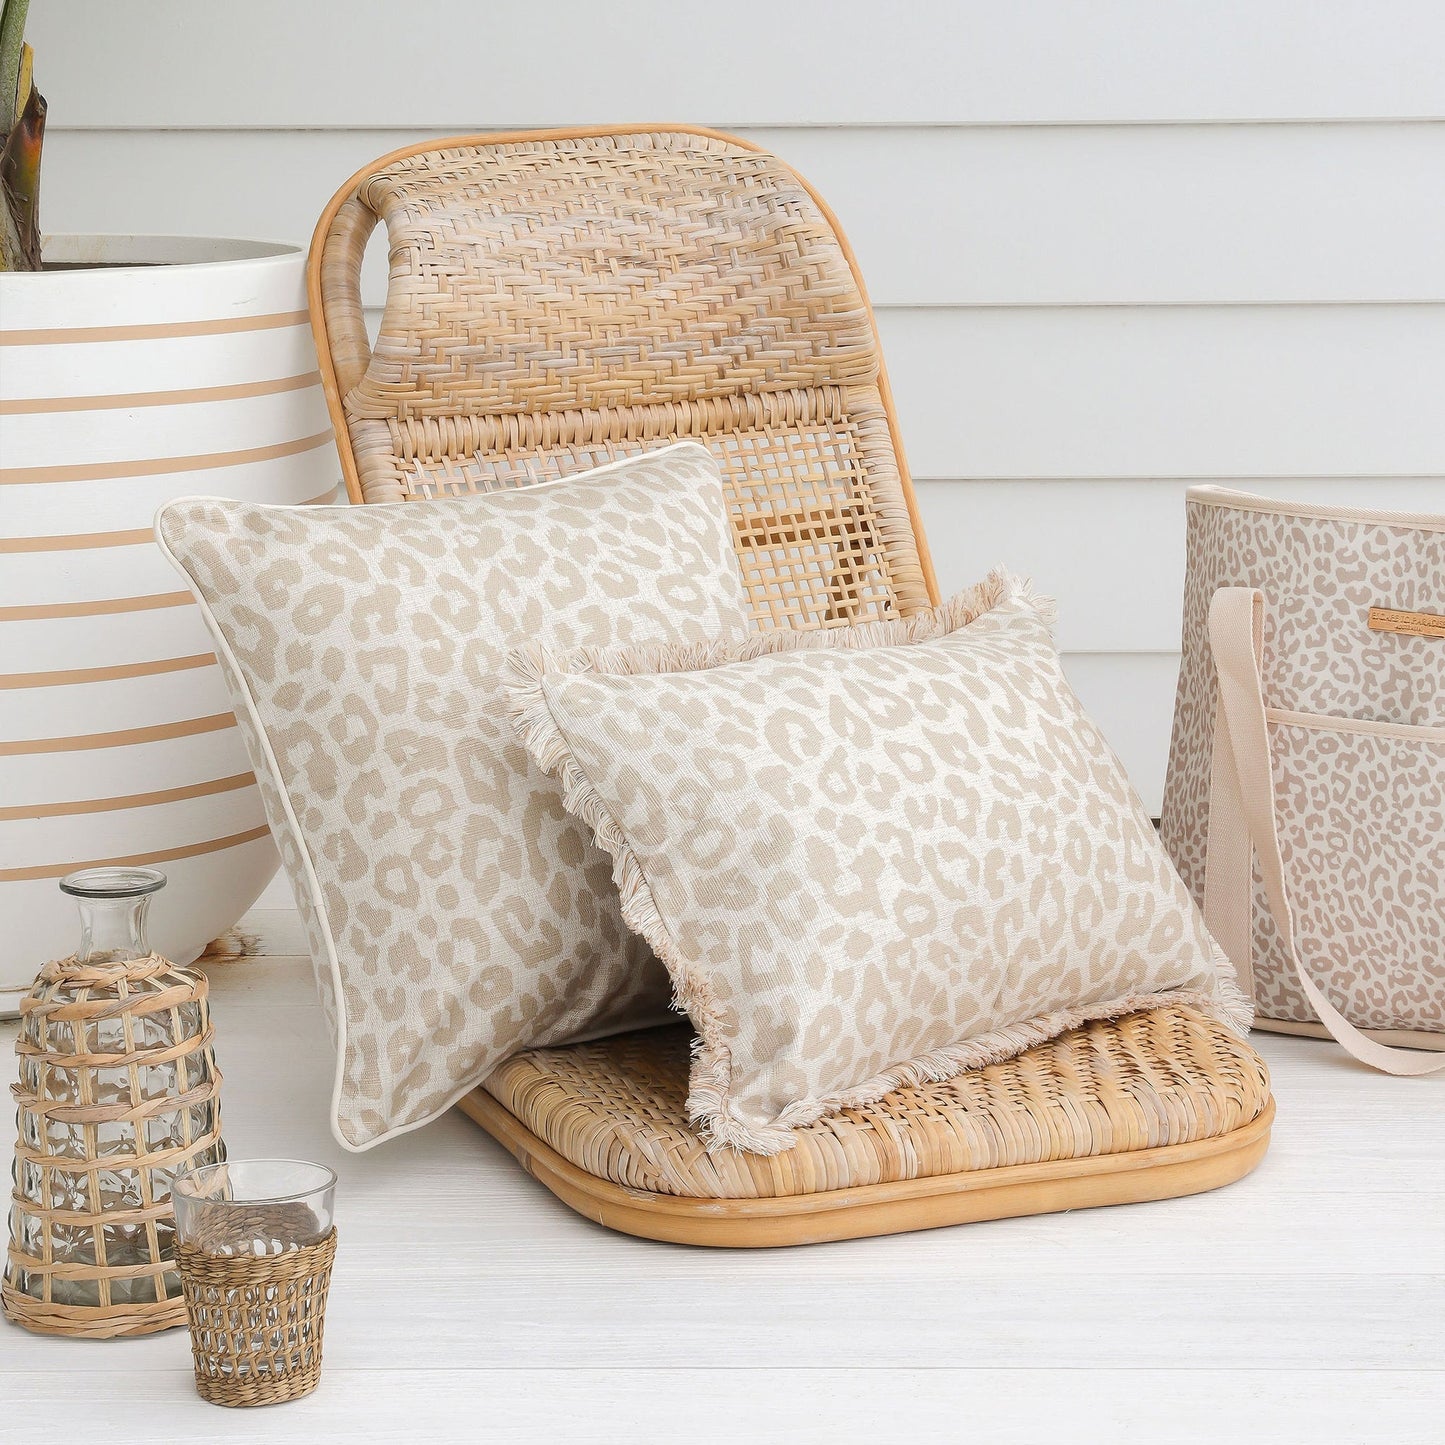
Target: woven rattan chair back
<point>561,299</point>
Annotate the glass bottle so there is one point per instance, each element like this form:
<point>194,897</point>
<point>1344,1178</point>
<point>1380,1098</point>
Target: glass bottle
<point>118,1091</point>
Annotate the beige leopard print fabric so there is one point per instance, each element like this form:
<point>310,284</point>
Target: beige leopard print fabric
<point>870,856</point>
<point>1362,834</point>
<point>456,913</point>
<point>1361,810</point>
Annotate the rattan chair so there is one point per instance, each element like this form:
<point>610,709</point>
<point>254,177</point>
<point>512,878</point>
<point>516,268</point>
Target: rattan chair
<point>558,299</point>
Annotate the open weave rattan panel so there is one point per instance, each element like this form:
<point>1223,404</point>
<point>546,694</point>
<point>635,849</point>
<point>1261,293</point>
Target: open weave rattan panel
<point>559,302</point>
<point>820,542</point>
<point>617,1109</point>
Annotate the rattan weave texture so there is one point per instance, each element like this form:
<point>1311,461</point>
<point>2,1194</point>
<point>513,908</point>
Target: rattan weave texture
<point>257,1322</point>
<point>617,1109</point>
<point>561,302</point>
<point>117,1092</point>
<point>548,275</point>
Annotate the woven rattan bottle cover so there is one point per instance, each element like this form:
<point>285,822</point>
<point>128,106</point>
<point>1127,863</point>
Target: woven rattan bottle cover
<point>118,1089</point>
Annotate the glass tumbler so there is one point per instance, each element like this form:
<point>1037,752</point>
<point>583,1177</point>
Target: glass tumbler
<point>256,1239</point>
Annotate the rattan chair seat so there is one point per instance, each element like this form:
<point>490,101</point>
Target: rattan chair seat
<point>1124,1099</point>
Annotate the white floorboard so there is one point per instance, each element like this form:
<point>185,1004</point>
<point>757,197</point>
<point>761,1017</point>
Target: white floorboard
<point>1304,1303</point>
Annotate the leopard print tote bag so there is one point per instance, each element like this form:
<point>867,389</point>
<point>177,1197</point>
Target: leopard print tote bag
<point>1305,800</point>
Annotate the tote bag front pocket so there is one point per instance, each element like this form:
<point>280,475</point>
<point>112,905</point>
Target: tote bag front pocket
<point>1360,818</point>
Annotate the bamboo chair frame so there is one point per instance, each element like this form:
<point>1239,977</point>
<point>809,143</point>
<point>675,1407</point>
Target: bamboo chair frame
<point>482,379</point>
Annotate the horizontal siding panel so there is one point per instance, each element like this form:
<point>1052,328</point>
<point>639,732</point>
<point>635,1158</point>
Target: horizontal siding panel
<point>1139,215</point>
<point>809,62</point>
<point>1111,552</point>
<point>1134,215</point>
<point>1277,391</point>
<point>1131,698</point>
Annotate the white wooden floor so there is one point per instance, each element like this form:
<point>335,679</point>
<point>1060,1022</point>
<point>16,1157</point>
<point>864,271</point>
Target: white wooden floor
<point>1306,1303</point>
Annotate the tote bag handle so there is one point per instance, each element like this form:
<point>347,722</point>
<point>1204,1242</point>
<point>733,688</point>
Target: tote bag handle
<point>1242,822</point>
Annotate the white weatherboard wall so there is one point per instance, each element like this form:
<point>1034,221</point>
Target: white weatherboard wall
<point>1114,247</point>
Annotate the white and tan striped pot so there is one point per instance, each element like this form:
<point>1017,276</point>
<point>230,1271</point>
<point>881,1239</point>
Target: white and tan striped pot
<point>177,366</point>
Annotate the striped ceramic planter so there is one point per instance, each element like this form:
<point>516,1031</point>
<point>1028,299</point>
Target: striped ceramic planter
<point>121,387</point>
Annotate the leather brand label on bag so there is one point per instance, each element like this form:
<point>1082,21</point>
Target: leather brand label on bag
<point>1412,624</point>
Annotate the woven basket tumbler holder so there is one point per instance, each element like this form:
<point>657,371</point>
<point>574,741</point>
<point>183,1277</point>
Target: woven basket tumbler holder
<point>257,1322</point>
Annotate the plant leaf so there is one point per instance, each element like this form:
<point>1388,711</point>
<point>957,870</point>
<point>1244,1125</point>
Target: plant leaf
<point>20,187</point>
